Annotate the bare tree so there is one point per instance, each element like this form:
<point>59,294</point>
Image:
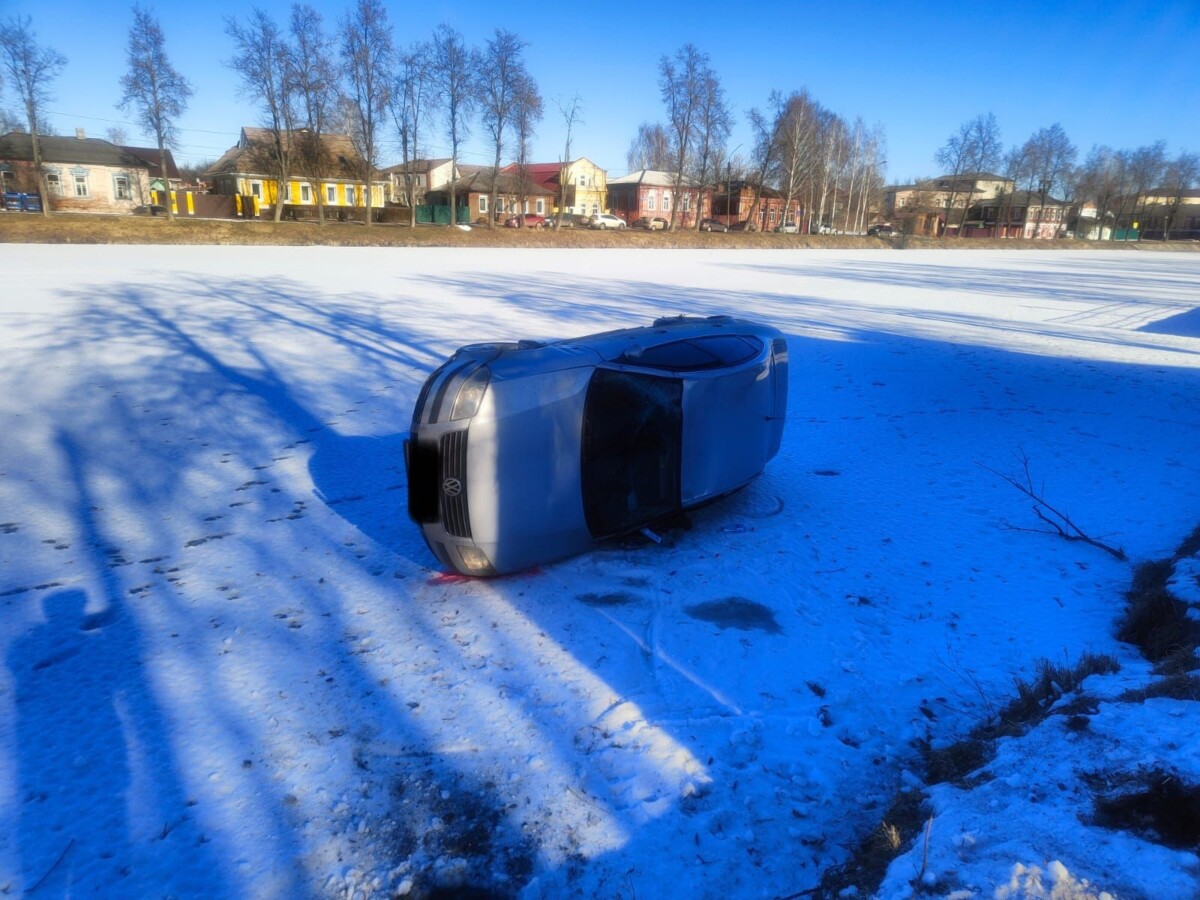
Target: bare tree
<point>1182,174</point>
<point>973,149</point>
<point>797,124</point>
<point>527,112</point>
<point>262,59</point>
<point>368,57</point>
<point>457,94</point>
<point>681,82</point>
<point>1146,167</point>
<point>116,135</point>
<point>571,111</point>
<point>1104,180</point>
<point>410,102</point>
<point>651,149</point>
<point>153,88</point>
<point>1048,163</point>
<point>766,149</point>
<point>314,79</point>
<point>714,126</point>
<point>502,77</point>
<point>32,69</point>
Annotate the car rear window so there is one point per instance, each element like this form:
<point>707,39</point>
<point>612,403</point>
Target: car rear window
<point>696,354</point>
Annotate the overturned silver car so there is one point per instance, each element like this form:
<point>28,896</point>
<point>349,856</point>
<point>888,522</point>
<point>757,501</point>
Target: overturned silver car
<point>524,453</point>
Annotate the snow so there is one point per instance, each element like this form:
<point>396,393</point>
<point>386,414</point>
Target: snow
<point>227,667</point>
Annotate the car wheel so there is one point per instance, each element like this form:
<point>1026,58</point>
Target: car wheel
<point>622,225</point>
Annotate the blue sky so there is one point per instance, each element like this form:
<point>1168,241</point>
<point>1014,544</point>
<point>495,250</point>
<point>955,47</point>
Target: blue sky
<point>1119,73</point>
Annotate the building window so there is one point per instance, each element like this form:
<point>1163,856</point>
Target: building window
<point>650,202</point>
<point>541,207</point>
<point>305,193</point>
<point>595,208</point>
<point>54,183</point>
<point>666,201</point>
<point>686,203</point>
<point>349,195</point>
<point>583,181</point>
<point>121,190</point>
<point>331,193</point>
<point>81,185</point>
<point>483,203</point>
<point>256,189</point>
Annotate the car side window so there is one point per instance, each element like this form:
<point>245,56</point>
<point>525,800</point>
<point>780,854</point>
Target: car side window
<point>695,354</point>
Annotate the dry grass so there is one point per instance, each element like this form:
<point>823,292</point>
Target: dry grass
<point>68,228</point>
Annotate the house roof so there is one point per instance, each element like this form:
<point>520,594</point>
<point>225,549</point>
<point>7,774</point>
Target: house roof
<point>418,165</point>
<point>150,155</point>
<point>481,183</point>
<point>651,177</point>
<point>246,157</point>
<point>69,151</point>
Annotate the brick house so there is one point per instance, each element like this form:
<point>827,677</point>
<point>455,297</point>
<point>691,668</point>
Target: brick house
<point>733,202</point>
<point>647,192</point>
<point>937,205</point>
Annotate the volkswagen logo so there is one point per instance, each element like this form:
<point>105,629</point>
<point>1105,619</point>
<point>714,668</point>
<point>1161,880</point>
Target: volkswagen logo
<point>452,487</point>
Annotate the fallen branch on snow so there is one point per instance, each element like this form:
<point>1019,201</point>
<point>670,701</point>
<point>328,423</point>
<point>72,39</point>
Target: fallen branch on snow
<point>1060,523</point>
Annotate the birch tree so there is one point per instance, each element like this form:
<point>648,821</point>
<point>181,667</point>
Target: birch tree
<point>650,148</point>
<point>262,60</point>
<point>155,91</point>
<point>368,57</point>
<point>681,83</point>
<point>410,102</point>
<point>457,94</point>
<point>314,79</point>
<point>797,120</point>
<point>503,77</point>
<point>31,69</point>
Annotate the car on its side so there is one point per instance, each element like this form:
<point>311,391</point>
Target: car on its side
<point>713,225</point>
<point>602,221</point>
<point>523,453</point>
<point>650,223</point>
<point>525,220</point>
<point>880,230</point>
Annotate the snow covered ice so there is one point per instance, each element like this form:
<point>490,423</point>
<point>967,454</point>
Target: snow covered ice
<point>229,669</point>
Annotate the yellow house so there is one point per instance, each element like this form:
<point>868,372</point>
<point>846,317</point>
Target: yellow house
<point>245,171</point>
<point>585,184</point>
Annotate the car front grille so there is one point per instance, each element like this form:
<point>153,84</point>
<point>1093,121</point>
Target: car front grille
<point>455,518</point>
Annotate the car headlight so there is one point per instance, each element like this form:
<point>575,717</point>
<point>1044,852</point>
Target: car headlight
<point>470,395</point>
<point>473,560</point>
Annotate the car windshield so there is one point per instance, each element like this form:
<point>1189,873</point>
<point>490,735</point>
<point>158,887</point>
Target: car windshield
<point>632,428</point>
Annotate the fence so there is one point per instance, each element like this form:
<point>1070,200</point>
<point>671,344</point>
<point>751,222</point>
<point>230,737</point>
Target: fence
<point>440,215</point>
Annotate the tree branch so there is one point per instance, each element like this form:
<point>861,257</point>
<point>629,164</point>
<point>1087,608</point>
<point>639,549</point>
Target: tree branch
<point>1059,523</point>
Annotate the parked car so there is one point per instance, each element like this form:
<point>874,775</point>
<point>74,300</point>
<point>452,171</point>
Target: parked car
<point>525,220</point>
<point>526,452</point>
<point>787,228</point>
<point>650,223</point>
<point>602,221</point>
<point>713,225</point>
<point>744,226</point>
<point>882,230</point>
